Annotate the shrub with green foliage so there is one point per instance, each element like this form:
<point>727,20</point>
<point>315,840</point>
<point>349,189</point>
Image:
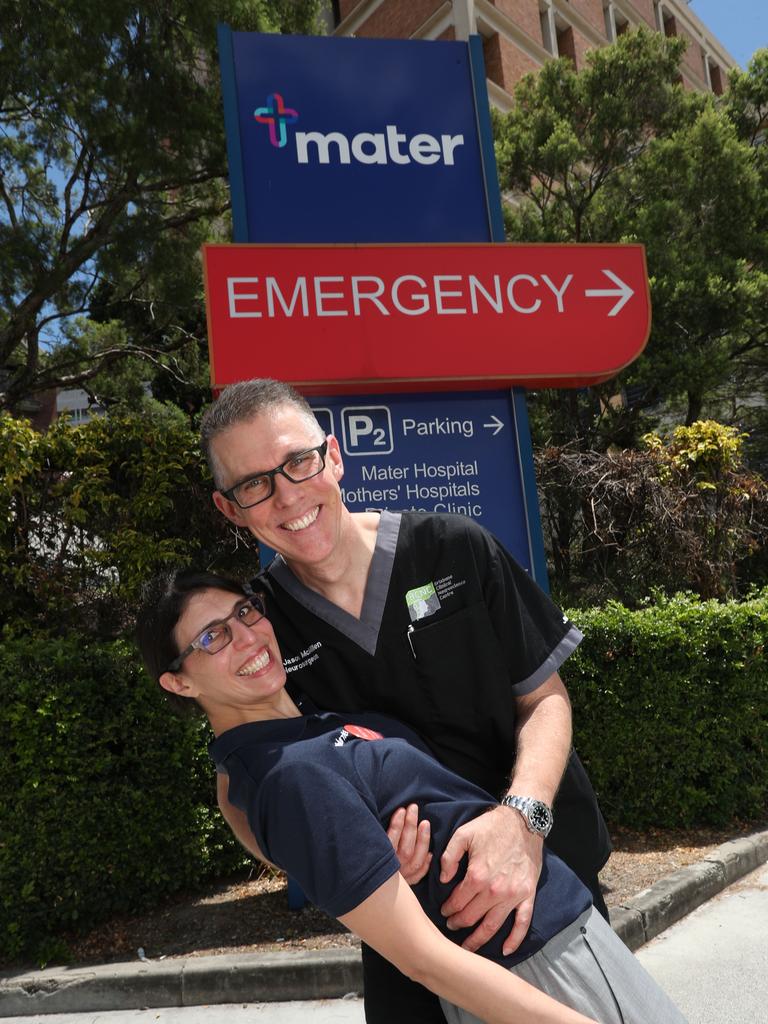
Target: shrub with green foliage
<point>107,801</point>
<point>88,512</point>
<point>682,514</point>
<point>670,707</point>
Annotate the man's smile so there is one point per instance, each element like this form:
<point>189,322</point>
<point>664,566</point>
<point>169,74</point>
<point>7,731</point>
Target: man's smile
<point>306,520</point>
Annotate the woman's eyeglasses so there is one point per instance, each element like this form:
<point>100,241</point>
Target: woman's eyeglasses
<point>214,638</point>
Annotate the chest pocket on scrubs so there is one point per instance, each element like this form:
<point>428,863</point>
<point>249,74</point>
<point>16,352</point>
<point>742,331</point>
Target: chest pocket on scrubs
<point>459,665</point>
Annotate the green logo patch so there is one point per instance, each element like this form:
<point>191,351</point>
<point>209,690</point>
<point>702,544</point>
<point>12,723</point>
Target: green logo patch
<point>422,601</point>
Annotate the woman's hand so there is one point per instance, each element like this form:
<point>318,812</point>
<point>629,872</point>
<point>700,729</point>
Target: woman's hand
<point>410,839</point>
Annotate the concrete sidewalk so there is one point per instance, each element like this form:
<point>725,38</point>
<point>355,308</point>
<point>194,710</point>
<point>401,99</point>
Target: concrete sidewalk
<point>327,974</point>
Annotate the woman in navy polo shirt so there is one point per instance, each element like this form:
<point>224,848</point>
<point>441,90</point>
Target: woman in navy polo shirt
<point>317,789</point>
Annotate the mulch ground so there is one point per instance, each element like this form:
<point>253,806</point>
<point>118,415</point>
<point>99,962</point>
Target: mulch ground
<point>249,915</point>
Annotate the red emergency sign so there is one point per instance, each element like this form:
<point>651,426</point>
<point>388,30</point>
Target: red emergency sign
<point>343,318</point>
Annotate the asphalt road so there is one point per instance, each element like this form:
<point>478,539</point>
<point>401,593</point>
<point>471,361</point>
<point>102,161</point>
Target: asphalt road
<point>714,964</point>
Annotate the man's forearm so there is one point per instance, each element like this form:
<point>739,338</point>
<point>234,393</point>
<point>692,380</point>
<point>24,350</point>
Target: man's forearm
<point>543,741</point>
<point>504,855</point>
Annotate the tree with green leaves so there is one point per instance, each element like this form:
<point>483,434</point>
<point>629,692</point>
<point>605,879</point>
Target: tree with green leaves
<point>619,152</point>
<point>570,133</point>
<point>88,513</point>
<point>700,206</point>
<point>112,171</point>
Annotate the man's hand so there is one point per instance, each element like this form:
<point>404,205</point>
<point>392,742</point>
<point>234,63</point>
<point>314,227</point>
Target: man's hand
<point>504,868</point>
<point>410,838</point>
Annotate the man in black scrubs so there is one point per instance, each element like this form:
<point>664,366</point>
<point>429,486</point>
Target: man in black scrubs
<point>425,617</point>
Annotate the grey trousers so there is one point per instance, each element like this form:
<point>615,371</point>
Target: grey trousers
<point>588,967</point>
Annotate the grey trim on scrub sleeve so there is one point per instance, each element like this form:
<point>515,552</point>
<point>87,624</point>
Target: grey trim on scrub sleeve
<point>564,650</point>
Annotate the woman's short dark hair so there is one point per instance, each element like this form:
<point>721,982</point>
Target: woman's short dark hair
<point>164,600</point>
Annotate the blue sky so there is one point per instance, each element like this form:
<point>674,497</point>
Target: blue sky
<point>740,25</point>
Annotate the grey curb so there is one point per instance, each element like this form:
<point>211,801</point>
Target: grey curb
<point>191,981</point>
<point>329,974</point>
<point>644,916</point>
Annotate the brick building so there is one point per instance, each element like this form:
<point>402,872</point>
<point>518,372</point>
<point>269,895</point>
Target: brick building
<point>519,35</point>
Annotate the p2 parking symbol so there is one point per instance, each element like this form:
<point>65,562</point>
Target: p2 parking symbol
<point>367,430</point>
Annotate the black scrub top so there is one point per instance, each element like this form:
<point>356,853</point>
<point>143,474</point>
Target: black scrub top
<point>452,629</point>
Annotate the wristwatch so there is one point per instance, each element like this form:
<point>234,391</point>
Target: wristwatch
<point>538,817</point>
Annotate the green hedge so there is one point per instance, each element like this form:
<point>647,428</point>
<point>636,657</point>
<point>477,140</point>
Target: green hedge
<point>670,710</point>
<point>105,797</point>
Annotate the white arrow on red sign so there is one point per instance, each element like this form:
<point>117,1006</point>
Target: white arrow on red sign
<point>624,292</point>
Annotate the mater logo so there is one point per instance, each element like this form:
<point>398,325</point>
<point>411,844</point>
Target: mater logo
<point>390,146</point>
<point>275,114</point>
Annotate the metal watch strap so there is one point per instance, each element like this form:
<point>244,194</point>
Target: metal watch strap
<point>520,803</point>
<point>526,804</point>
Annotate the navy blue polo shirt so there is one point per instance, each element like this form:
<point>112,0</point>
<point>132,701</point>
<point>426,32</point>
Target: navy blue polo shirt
<point>319,791</point>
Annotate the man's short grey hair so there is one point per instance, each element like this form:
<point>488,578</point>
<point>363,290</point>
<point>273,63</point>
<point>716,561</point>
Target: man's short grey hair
<point>240,403</point>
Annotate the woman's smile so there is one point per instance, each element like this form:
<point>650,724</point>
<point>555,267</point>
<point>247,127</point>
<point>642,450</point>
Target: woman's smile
<point>256,663</point>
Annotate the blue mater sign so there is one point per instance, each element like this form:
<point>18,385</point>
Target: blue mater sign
<point>432,453</point>
<point>382,140</point>
<point>352,140</point>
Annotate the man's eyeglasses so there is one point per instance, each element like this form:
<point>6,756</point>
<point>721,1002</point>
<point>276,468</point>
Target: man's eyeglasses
<point>297,469</point>
<point>214,638</point>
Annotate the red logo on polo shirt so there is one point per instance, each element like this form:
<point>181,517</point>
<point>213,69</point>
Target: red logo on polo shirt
<point>362,733</point>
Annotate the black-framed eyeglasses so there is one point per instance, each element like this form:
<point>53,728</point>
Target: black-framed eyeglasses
<point>217,635</point>
<point>300,467</point>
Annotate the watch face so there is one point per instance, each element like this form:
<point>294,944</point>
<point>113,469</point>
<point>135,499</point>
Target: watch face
<point>540,817</point>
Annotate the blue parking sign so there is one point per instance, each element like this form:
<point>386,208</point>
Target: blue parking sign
<point>442,452</point>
